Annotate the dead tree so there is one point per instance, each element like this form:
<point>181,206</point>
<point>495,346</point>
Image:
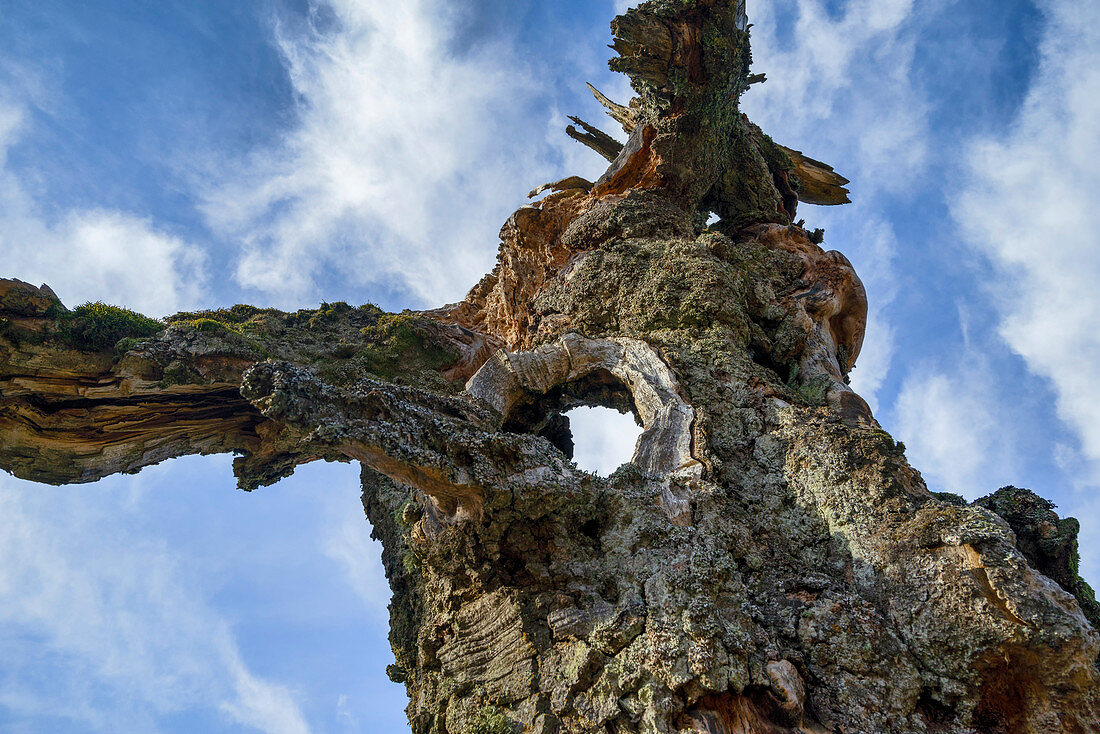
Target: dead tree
<point>768,562</point>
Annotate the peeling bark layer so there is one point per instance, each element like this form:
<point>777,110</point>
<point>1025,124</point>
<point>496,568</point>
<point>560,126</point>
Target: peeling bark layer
<point>767,563</point>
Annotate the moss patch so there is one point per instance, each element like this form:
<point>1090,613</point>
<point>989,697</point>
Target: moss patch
<point>490,720</point>
<point>400,343</point>
<point>951,498</point>
<point>234,315</point>
<point>328,313</point>
<point>99,326</point>
<point>209,326</point>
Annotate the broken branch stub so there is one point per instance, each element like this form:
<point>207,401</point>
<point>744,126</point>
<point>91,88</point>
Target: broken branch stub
<point>768,561</point>
<point>623,115</point>
<point>818,182</point>
<point>594,138</point>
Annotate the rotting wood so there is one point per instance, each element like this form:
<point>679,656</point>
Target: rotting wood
<point>768,562</point>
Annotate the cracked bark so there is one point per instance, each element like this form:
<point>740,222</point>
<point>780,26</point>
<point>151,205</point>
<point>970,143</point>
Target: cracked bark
<point>768,562</point>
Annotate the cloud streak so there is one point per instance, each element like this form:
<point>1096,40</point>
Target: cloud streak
<point>955,427</point>
<point>117,622</point>
<point>829,73</point>
<point>406,157</point>
<point>88,254</point>
<point>1028,205</point>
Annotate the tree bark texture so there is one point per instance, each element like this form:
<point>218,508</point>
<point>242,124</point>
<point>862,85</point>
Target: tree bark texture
<point>767,563</point>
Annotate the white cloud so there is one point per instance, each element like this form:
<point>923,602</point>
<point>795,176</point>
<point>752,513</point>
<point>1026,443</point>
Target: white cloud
<point>953,428</point>
<point>406,158</point>
<point>832,76</point>
<point>89,254</point>
<point>1028,205</point>
<point>109,629</point>
<point>99,255</point>
<point>603,439</point>
<point>349,544</point>
<point>261,705</point>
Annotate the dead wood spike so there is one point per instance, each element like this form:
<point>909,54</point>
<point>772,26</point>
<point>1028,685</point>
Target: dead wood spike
<point>572,182</point>
<point>595,139</point>
<point>623,115</point>
<point>820,184</point>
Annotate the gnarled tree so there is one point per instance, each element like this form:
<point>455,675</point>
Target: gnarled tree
<point>768,562</point>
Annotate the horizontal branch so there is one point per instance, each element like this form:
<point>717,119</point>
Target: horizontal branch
<point>449,448</point>
<point>100,390</point>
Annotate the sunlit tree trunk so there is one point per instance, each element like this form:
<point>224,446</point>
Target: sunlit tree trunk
<point>767,562</point>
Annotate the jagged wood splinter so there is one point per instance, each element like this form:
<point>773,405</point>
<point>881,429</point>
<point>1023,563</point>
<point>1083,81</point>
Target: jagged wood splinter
<point>768,562</point>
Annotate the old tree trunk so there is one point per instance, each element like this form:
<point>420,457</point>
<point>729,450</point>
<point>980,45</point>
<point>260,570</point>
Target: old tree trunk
<point>769,562</point>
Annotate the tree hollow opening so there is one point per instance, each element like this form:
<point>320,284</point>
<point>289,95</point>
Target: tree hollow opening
<point>603,439</point>
<point>593,421</point>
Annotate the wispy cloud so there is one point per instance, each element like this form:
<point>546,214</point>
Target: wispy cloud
<point>1028,205</point>
<point>955,427</point>
<point>117,622</point>
<point>406,157</point>
<point>840,86</point>
<point>349,544</point>
<point>260,704</point>
<point>88,254</point>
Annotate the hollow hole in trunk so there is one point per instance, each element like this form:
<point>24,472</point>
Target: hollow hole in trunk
<point>592,420</point>
<point>604,439</point>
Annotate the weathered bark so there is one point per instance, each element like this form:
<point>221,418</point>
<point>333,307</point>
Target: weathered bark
<point>768,562</point>
<point>818,183</point>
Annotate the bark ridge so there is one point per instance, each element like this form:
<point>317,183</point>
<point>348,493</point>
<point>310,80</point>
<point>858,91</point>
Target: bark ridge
<point>768,562</point>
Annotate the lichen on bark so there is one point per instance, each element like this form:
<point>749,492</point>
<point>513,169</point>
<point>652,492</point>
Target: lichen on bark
<point>768,562</point>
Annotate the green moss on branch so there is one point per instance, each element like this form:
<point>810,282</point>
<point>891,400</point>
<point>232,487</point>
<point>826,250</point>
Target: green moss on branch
<point>99,326</point>
<point>401,343</point>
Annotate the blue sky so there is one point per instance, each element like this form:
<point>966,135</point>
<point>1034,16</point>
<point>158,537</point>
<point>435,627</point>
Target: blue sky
<point>185,153</point>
